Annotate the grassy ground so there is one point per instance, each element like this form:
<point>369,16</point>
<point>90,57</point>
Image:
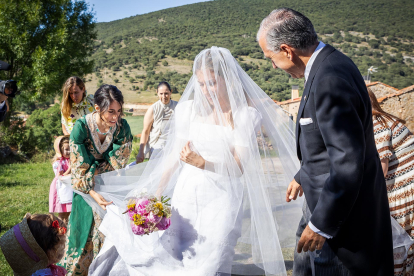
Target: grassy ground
<point>135,123</point>
<point>23,188</point>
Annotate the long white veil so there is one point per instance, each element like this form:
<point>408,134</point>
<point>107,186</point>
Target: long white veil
<point>235,207</point>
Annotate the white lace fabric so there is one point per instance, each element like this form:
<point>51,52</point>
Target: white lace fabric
<point>231,216</point>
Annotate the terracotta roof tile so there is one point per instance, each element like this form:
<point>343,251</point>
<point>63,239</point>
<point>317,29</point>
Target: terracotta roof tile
<point>378,82</point>
<point>407,89</point>
<point>372,83</point>
<point>400,92</point>
<point>290,101</point>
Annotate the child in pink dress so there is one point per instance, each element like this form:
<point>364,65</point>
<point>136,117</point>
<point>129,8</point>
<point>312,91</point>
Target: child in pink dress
<point>60,200</point>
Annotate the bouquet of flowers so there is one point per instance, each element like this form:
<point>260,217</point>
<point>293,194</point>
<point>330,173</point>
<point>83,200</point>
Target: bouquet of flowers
<point>149,214</point>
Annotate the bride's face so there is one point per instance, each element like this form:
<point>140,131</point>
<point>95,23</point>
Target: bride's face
<point>213,87</point>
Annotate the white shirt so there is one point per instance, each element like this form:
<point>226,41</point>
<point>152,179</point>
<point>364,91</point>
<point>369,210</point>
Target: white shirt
<point>312,59</point>
<point>307,71</point>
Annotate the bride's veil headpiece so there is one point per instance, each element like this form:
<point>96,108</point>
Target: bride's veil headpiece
<point>237,202</point>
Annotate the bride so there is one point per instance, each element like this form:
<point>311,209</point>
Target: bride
<point>228,160</point>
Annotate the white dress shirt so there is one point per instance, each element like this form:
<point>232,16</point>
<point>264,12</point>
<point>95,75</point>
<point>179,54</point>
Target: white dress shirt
<point>312,59</point>
<point>307,71</point>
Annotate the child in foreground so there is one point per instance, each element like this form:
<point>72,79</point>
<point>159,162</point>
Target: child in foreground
<point>34,246</point>
<point>60,196</point>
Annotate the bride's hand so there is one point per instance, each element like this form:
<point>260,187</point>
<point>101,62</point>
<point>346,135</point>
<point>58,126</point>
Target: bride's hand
<point>99,199</point>
<point>190,157</point>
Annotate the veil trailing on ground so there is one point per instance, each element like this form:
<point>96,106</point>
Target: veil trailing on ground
<point>228,217</point>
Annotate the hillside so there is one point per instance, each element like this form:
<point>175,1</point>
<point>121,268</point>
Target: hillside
<point>139,51</point>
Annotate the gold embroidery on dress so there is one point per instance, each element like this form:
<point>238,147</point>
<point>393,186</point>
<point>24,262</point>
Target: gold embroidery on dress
<point>101,147</point>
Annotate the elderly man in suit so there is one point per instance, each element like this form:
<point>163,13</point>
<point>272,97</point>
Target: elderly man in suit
<point>340,172</point>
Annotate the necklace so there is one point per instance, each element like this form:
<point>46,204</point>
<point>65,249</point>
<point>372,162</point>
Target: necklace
<point>103,133</point>
<point>97,128</point>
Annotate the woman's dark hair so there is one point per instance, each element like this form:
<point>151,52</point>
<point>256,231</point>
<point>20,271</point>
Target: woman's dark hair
<point>107,94</point>
<point>164,83</point>
<point>378,113</point>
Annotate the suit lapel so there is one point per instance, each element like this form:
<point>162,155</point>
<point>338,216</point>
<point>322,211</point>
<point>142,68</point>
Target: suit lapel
<point>326,51</point>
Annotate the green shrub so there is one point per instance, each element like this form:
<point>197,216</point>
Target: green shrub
<point>43,126</point>
<point>18,136</point>
<point>37,134</point>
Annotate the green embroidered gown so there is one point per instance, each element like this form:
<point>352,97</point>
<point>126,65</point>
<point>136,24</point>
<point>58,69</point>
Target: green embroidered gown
<point>88,155</point>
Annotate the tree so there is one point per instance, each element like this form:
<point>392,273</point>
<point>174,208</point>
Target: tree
<point>45,42</point>
<point>44,124</point>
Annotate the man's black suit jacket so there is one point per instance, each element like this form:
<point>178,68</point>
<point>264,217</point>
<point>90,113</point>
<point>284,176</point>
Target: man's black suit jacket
<point>340,170</point>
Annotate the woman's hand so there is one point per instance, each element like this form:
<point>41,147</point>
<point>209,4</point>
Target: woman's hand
<point>99,199</point>
<point>140,157</point>
<point>192,158</point>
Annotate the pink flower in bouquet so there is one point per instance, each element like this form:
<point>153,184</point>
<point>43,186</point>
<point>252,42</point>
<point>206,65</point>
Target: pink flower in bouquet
<point>131,214</point>
<point>138,229</point>
<point>140,206</point>
<point>153,218</point>
<point>164,223</point>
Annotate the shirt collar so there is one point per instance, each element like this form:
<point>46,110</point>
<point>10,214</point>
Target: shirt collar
<point>166,105</point>
<point>312,59</point>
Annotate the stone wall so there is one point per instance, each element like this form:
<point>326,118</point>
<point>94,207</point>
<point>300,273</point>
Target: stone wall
<point>291,106</point>
<point>380,90</point>
<point>401,104</point>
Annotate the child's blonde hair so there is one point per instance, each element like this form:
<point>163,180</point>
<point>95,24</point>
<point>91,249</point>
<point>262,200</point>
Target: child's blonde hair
<point>59,142</point>
<point>49,232</point>
<point>66,99</point>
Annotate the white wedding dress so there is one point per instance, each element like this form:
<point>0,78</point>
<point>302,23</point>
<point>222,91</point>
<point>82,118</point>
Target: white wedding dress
<point>231,216</point>
<point>205,224</point>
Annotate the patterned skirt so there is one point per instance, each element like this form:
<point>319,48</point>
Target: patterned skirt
<point>400,188</point>
<point>84,241</point>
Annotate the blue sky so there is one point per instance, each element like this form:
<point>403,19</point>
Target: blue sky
<point>109,10</point>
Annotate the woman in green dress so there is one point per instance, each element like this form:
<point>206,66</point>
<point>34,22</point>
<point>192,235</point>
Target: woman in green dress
<point>100,142</point>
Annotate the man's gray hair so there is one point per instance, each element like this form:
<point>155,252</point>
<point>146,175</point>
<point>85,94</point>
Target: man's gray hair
<point>287,26</point>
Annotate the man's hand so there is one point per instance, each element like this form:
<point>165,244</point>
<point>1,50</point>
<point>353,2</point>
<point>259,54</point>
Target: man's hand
<point>293,190</point>
<point>310,241</point>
